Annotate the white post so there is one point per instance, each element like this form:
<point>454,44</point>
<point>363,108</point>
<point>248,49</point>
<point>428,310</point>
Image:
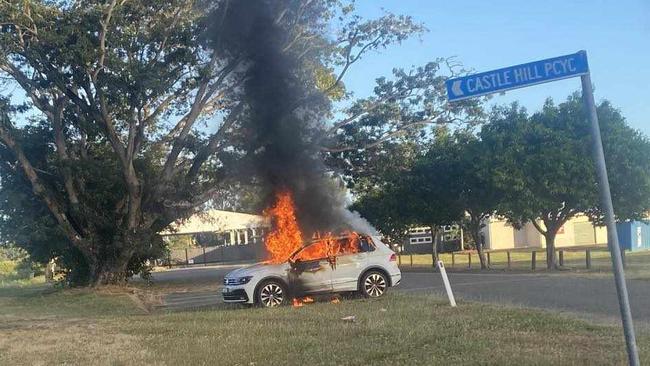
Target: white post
<point>445,280</point>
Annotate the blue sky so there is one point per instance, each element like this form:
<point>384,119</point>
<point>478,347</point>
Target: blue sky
<point>486,35</point>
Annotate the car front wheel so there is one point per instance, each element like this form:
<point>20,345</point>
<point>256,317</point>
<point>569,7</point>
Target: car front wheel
<point>272,293</point>
<point>374,284</point>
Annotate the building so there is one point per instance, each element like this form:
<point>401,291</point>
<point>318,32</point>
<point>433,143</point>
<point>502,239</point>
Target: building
<point>217,228</point>
<point>420,240</point>
<point>579,230</point>
<point>420,236</point>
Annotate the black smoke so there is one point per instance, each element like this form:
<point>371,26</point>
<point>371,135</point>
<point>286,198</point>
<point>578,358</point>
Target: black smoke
<point>284,110</point>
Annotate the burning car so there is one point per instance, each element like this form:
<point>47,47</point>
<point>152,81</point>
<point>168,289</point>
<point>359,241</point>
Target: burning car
<point>348,263</point>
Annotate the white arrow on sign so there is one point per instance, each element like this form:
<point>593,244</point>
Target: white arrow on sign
<point>455,88</point>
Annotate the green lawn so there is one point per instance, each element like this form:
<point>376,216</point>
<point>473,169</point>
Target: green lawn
<point>638,263</point>
<point>11,275</point>
<point>41,326</point>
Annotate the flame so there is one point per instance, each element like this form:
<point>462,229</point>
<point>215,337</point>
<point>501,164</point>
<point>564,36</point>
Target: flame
<point>300,302</point>
<point>286,237</point>
<point>297,303</point>
<point>329,246</point>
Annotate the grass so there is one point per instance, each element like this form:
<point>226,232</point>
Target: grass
<point>11,275</point>
<point>43,326</point>
<point>637,263</point>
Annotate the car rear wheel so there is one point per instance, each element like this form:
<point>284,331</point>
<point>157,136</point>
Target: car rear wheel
<point>272,293</point>
<point>374,284</point>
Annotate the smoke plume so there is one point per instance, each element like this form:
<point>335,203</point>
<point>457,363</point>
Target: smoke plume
<point>283,115</point>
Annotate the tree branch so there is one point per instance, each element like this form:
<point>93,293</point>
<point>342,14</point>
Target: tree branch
<point>62,151</point>
<point>195,111</point>
<point>402,129</point>
<point>214,141</point>
<point>539,228</point>
<point>38,187</point>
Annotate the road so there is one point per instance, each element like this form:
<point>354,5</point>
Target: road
<point>591,298</point>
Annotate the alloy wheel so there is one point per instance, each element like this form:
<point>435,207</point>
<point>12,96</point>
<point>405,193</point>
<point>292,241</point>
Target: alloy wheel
<point>375,285</point>
<point>271,295</point>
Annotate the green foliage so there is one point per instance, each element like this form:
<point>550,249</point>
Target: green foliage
<point>542,164</point>
<point>627,154</point>
<point>422,194</point>
<point>385,133</point>
<point>452,179</point>
<point>539,162</point>
<point>135,117</point>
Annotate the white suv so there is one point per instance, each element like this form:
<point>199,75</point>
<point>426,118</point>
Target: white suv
<point>371,270</point>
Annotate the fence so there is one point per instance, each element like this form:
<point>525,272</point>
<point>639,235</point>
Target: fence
<point>511,258</point>
<point>219,254</point>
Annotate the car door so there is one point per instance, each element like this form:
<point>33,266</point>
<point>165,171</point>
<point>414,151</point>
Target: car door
<point>349,267</point>
<point>311,271</point>
<point>313,276</point>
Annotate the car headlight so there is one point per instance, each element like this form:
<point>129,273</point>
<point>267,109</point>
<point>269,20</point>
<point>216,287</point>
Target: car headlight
<point>243,280</point>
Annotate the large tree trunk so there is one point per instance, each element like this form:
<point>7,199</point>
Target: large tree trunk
<point>475,232</point>
<point>123,257</point>
<point>112,273</point>
<point>108,269</point>
<point>551,261</point>
<point>434,249</point>
<point>479,249</point>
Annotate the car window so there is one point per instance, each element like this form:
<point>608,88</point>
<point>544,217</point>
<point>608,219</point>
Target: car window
<point>365,245</point>
<point>327,249</point>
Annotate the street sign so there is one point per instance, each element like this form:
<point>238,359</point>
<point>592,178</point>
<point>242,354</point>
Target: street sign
<point>543,71</point>
<point>518,76</point>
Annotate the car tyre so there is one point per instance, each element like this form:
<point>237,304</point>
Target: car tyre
<point>271,293</point>
<point>373,284</point>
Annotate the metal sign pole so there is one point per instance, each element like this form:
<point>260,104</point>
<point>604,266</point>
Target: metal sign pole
<point>612,236</point>
<point>557,68</point>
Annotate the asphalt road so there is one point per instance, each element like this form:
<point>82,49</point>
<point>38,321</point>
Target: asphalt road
<point>591,298</point>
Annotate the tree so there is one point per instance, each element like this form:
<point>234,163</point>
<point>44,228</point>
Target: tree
<point>627,153</point>
<point>464,179</point>
<point>382,135</point>
<point>420,195</point>
<point>135,115</point>
<point>541,164</point>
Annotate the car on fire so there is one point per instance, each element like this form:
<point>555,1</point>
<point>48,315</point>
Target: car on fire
<point>368,266</point>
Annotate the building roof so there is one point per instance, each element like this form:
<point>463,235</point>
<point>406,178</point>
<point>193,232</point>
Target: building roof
<point>217,221</point>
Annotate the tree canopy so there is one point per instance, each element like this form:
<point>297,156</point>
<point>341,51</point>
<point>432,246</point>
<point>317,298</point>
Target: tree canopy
<point>529,168</point>
<point>136,115</point>
<point>542,164</point>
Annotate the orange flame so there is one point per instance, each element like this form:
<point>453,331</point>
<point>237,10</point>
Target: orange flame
<point>300,302</point>
<point>286,237</point>
<point>328,246</point>
<point>297,303</point>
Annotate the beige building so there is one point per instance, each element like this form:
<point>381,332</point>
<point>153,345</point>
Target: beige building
<point>577,231</point>
<point>222,227</point>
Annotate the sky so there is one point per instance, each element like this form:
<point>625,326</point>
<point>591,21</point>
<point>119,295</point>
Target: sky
<point>486,35</point>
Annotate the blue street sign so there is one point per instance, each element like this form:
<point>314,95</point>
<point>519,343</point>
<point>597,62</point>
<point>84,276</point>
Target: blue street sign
<point>518,76</point>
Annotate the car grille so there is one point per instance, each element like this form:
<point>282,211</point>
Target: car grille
<point>230,281</point>
<point>236,295</point>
